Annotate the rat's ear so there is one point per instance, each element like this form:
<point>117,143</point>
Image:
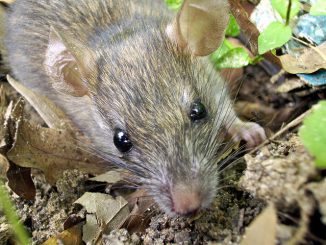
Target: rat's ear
<point>199,25</point>
<point>67,65</point>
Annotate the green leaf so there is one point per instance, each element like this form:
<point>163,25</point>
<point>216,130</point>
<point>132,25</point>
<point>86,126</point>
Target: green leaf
<point>281,6</point>
<point>174,4</point>
<point>222,50</point>
<point>274,36</point>
<point>228,56</point>
<point>319,8</point>
<point>313,133</point>
<point>233,28</point>
<point>235,58</point>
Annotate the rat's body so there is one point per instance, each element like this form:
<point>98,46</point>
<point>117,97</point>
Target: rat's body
<point>134,86</point>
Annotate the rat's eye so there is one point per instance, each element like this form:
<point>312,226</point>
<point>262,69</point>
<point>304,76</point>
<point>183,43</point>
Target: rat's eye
<point>121,141</point>
<point>197,111</point>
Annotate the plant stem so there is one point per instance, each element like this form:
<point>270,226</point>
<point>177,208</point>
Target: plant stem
<point>12,217</point>
<point>288,12</point>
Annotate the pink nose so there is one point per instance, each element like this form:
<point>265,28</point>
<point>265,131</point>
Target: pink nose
<point>186,199</point>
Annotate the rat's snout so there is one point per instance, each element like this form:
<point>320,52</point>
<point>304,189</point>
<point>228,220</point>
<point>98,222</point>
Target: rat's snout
<point>186,199</point>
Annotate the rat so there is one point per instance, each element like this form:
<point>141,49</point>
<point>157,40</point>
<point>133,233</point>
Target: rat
<point>136,81</point>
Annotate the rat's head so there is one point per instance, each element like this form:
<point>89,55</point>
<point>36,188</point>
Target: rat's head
<point>158,107</point>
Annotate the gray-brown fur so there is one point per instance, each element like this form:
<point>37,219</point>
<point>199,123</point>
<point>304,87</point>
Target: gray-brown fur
<point>141,82</point>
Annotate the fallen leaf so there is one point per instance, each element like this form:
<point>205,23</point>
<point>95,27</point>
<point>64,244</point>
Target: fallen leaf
<point>72,236</point>
<point>52,115</point>
<point>50,150</point>
<point>19,178</point>
<point>308,62</point>
<point>290,85</point>
<point>91,229</point>
<point>110,213</point>
<point>109,177</point>
<point>20,182</point>
<point>141,206</point>
<point>73,220</point>
<point>263,229</point>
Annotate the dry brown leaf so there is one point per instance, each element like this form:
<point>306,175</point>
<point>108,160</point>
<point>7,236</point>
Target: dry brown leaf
<point>20,182</point>
<point>105,214</point>
<point>50,150</point>
<point>72,236</point>
<point>309,61</point>
<point>26,146</point>
<point>263,229</point>
<point>290,85</point>
<point>73,220</point>
<point>109,177</point>
<point>19,179</point>
<point>52,115</point>
<point>140,204</point>
<point>91,230</point>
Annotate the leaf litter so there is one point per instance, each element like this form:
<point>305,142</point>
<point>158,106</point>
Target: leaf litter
<point>233,210</point>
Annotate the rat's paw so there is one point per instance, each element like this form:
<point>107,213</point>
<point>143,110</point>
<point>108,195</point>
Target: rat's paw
<point>251,132</point>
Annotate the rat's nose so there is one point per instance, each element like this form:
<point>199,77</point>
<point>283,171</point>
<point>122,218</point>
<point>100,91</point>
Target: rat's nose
<point>186,199</point>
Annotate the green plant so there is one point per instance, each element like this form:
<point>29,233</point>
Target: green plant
<point>275,35</point>
<point>229,56</point>
<point>313,133</point>
<point>11,216</point>
<point>233,28</point>
<point>278,33</point>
